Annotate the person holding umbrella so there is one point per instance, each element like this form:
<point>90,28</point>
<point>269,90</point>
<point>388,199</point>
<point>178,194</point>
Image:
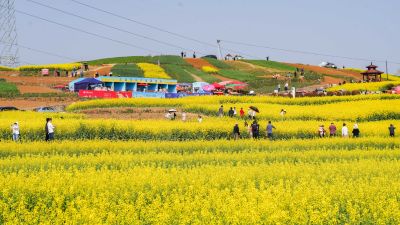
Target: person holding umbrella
<point>252,112</point>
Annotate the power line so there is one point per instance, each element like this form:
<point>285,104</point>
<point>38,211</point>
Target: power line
<point>144,24</point>
<point>304,52</point>
<point>109,26</point>
<point>43,52</point>
<point>86,32</point>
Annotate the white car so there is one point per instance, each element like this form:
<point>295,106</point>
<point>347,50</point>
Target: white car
<point>328,65</point>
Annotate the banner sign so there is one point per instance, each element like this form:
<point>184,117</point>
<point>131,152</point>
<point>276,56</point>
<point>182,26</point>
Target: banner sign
<point>104,94</point>
<point>45,71</point>
<point>148,95</point>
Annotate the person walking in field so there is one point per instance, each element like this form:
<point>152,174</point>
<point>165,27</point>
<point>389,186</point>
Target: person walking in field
<point>286,86</point>
<point>15,131</point>
<point>236,132</point>
<point>356,131</point>
<point>270,127</point>
<point>230,112</point>
<point>345,131</point>
<point>248,127</point>
<point>391,130</point>
<point>279,88</point>
<point>234,112</point>
<point>49,129</point>
<point>183,116</point>
<point>283,113</point>
<point>221,111</point>
<point>255,129</point>
<point>199,118</point>
<point>332,130</point>
<point>321,131</point>
<point>241,112</point>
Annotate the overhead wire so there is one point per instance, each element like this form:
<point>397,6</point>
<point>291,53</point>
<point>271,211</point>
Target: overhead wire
<point>306,52</point>
<point>110,26</point>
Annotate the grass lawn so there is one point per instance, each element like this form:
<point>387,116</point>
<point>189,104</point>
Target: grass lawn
<point>238,75</point>
<point>8,89</point>
<point>269,85</point>
<point>127,70</point>
<point>272,65</point>
<point>178,73</point>
<point>204,76</point>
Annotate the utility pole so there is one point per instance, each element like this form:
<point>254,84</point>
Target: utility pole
<point>219,50</point>
<point>8,34</point>
<point>387,73</point>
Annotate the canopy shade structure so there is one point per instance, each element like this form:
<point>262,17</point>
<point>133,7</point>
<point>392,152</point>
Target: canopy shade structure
<point>86,84</point>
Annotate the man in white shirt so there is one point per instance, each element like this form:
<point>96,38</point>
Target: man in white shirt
<point>15,131</point>
<point>50,130</point>
<point>345,131</point>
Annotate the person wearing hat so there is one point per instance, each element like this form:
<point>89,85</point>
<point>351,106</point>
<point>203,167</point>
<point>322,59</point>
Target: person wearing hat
<point>15,131</point>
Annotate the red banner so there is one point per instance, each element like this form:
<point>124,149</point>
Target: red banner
<point>104,94</point>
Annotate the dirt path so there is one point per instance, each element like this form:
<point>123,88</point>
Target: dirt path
<point>195,77</point>
<point>134,113</point>
<point>251,67</point>
<point>325,83</point>
<point>37,81</point>
<point>29,104</point>
<point>102,70</point>
<point>328,71</point>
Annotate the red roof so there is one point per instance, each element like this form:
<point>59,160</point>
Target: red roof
<point>372,71</point>
<point>372,66</point>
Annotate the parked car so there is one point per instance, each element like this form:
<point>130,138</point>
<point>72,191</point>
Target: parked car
<point>328,65</point>
<point>45,109</point>
<point>8,108</point>
<point>210,56</point>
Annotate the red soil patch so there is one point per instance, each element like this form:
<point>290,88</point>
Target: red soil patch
<point>38,81</point>
<point>327,71</point>
<point>198,63</point>
<point>31,84</point>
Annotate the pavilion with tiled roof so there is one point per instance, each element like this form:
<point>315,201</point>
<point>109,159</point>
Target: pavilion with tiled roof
<point>373,73</point>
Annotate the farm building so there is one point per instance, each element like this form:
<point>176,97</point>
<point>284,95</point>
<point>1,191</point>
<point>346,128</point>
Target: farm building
<point>139,84</point>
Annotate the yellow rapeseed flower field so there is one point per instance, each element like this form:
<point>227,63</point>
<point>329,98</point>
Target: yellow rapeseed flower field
<point>153,71</point>
<point>158,171</point>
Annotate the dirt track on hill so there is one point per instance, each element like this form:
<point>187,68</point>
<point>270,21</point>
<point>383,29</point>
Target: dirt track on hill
<point>327,71</point>
<point>102,70</point>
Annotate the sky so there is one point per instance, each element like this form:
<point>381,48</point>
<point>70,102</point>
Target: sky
<point>367,29</point>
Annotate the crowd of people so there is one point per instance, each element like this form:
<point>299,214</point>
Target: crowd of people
<point>253,129</point>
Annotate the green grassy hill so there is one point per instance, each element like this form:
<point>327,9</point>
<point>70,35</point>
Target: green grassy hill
<point>257,73</point>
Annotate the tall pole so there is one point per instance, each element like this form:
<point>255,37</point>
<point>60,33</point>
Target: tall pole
<point>387,73</point>
<point>8,34</point>
<point>219,49</point>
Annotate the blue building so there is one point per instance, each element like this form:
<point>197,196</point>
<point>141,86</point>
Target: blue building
<point>140,84</point>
